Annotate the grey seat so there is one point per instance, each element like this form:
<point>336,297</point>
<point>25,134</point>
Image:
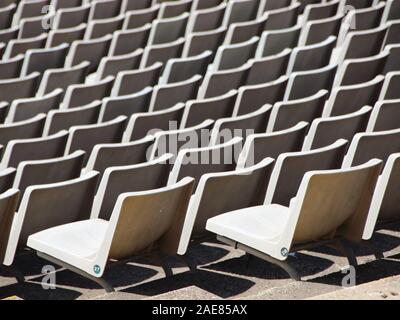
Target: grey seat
<point>24,109</point>
<point>130,5</point>
<point>20,46</point>
<point>71,17</point>
<point>206,19</point>
<point>197,111</point>
<point>168,30</point>
<point>35,26</point>
<point>60,36</point>
<point>127,41</point>
<point>282,18</point>
<point>319,30</point>
<point>240,10</point>
<point>198,42</point>
<point>133,81</point>
<point>18,88</point>
<point>324,131</point>
<point>102,27</point>
<point>64,4</point>
<point>28,9</point>
<point>162,52</point>
<point>6,15</point>
<point>125,105</point>
<point>63,119</point>
<point>169,9</point>
<point>104,9</point>
<point>140,17</point>
<point>7,179</point>
<point>34,149</point>
<point>85,137</point>
<point>11,68</point>
<point>31,128</point>
<point>244,31</point>
<point>287,114</point>
<point>384,116</point>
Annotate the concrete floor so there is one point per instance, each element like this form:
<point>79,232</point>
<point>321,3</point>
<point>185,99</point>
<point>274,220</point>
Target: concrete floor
<point>223,274</point>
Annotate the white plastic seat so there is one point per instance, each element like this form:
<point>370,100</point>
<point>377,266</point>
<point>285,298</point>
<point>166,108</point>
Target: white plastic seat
<point>271,232</point>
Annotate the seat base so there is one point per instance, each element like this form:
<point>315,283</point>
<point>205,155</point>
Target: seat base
<point>100,281</point>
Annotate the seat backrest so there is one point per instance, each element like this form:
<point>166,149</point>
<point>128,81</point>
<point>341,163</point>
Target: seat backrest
<point>132,228</point>
<point>198,42</point>
<point>34,149</point>
<point>242,188</point>
<point>68,36</point>
<point>7,179</point>
<point>168,30</point>
<point>11,68</point>
<point>162,52</point>
<point>334,203</point>
<point>71,17</point>
<point>290,168</point>
<point>126,41</point>
<point>140,17</point>
<point>21,46</point>
<point>206,19</point>
<point>262,145</point>
<point>8,205</point>
<point>19,88</point>
<point>384,116</point>
<point>286,114</point>
<point>319,30</point>
<point>196,111</point>
<point>282,18</point>
<point>324,131</point>
<point>137,177</point>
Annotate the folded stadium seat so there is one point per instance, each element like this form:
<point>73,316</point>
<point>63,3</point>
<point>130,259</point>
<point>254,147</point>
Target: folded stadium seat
<point>24,109</point>
<point>199,110</point>
<point>273,5</point>
<point>200,5</point>
<point>167,95</point>
<point>392,10</point>
<point>29,9</point>
<point>31,128</point>
<point>282,18</point>
<point>319,30</point>
<point>181,69</point>
<point>275,64</point>
<point>18,150</point>
<point>63,119</point>
<point>130,5</point>
<point>40,209</point>
<point>361,44</point>
<point>384,116</point>
<point>348,99</point>
<point>198,42</point>
<point>173,141</point>
<point>326,130</point>
<point>162,52</point>
<point>129,178</point>
<point>393,33</point>
<point>88,50</point>
<point>35,172</point>
<point>134,81</point>
<point>251,98</point>
<point>62,78</point>
<point>125,105</point>
<point>104,9</point>
<point>390,86</point>
<point>217,83</point>
<point>60,36</point>
<point>206,19</point>
<point>241,126</point>
<point>275,41</point>
<point>234,55</point>
<point>242,188</point>
<point>78,95</point>
<point>286,114</point>
<point>67,18</point>
<point>393,60</point>
<point>127,41</point>
<point>303,84</point>
<point>7,179</point>
<point>142,124</point>
<point>33,27</point>
<point>7,35</point>
<point>8,204</point>
<point>318,10</point>
<point>243,31</point>
<point>18,88</point>
<point>118,238</point>
<point>290,168</point>
<point>168,30</point>
<point>39,60</point>
<point>369,145</point>
<point>85,137</point>
<point>196,162</point>
<point>240,10</point>
<point>263,145</point>
<point>130,153</point>
<point>311,57</point>
<point>100,28</point>
<point>20,46</point>
<point>272,231</point>
<point>6,16</point>
<point>356,71</point>
<point>111,66</point>
<point>11,68</point>
<point>362,19</point>
<point>140,17</point>
<point>64,4</point>
<point>3,111</point>
<point>169,9</point>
